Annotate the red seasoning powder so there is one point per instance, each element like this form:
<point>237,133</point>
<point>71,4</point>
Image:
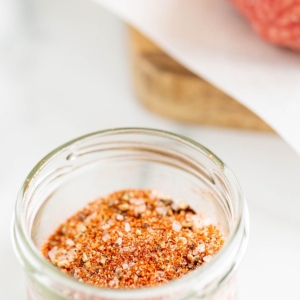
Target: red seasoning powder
<point>132,239</point>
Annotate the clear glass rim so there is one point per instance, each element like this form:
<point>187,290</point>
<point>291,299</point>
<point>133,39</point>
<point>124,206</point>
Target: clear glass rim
<point>40,263</point>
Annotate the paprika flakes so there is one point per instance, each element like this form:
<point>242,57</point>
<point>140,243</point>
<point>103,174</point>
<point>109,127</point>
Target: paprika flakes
<point>132,239</point>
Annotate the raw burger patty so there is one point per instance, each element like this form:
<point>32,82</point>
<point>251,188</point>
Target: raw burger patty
<point>278,21</point>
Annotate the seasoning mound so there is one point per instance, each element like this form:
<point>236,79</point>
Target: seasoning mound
<point>131,239</point>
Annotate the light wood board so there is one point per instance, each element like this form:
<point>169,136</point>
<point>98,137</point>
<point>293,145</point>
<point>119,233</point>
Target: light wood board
<point>169,89</point>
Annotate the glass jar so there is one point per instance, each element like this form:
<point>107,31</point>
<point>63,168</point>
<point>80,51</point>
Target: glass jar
<point>103,162</point>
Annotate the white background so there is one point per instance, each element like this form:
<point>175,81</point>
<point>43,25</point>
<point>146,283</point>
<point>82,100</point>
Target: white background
<point>64,72</point>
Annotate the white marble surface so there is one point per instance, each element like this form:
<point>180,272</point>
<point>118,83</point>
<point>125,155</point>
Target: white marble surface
<point>64,72</point>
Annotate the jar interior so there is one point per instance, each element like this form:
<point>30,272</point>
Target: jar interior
<point>98,165</point>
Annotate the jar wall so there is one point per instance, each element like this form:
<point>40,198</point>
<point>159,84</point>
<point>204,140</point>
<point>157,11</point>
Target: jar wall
<point>99,164</point>
<point>229,291</point>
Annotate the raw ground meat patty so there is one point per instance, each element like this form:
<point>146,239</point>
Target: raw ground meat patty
<point>277,21</point>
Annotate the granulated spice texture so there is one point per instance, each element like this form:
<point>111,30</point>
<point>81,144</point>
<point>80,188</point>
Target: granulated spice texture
<point>131,239</point>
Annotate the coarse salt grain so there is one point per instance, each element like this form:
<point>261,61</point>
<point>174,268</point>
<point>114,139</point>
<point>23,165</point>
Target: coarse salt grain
<point>207,258</point>
<point>137,202</point>
<point>76,276</point>
<point>111,222</point>
<point>158,275</point>
<point>71,255</point>
<point>106,226</point>
<point>89,218</point>
<point>127,227</point>
<point>140,209</point>
<point>70,242</point>
<point>125,266</point>
<point>131,264</point>
<point>119,217</point>
<point>176,226</point>
<point>52,253</point>
<point>162,210</point>
<point>105,237</point>
<point>119,241</point>
<point>201,248</point>
<point>156,194</point>
<point>63,263</point>
<point>200,222</point>
<point>113,282</point>
<point>81,227</point>
<point>174,206</point>
<point>125,249</point>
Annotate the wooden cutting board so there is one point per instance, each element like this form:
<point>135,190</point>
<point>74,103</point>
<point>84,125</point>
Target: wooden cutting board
<point>169,89</point>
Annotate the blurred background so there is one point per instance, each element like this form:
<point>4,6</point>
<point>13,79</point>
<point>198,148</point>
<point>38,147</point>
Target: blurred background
<point>65,71</point>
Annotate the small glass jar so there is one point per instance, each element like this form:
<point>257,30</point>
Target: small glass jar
<point>103,162</point>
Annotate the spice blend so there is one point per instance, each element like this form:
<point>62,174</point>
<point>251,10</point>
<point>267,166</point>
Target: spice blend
<point>131,239</point>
